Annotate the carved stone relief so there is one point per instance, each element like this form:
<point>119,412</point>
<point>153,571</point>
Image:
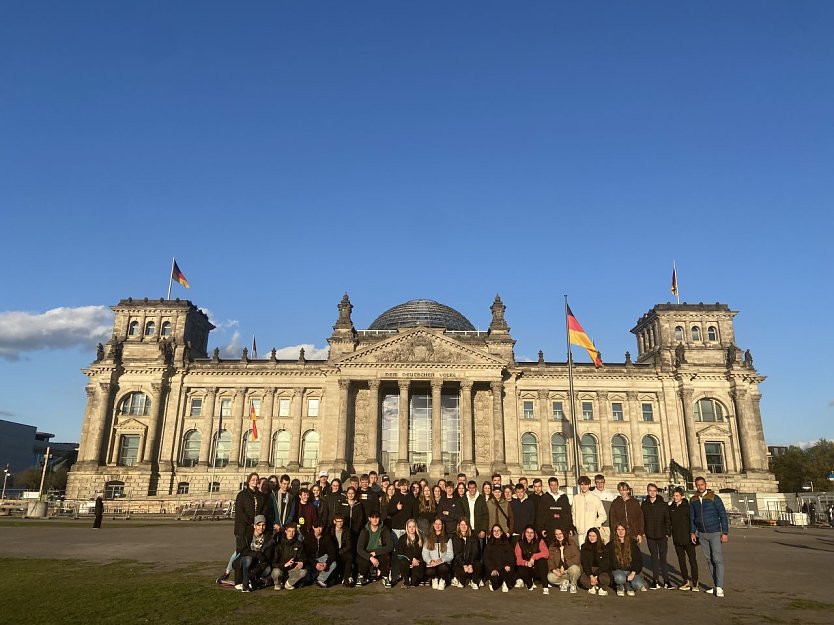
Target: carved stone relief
<point>361,448</point>
<point>482,402</point>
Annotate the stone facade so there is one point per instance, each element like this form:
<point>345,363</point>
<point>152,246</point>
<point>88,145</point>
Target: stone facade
<point>423,398</point>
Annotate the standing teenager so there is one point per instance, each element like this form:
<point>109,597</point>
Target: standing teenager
<point>679,516</point>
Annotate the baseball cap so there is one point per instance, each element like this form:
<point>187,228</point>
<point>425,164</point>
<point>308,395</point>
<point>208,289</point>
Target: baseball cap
<point>260,519</point>
<point>323,474</point>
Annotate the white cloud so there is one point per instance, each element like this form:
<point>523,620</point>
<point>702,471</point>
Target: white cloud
<point>6,413</point>
<point>222,326</point>
<point>59,328</point>
<point>233,348</point>
<point>311,352</point>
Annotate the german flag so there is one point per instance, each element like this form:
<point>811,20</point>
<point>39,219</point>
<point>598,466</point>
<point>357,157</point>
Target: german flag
<point>179,276</point>
<point>577,336</point>
<point>254,416</point>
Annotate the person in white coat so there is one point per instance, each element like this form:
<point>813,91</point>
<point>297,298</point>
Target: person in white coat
<point>588,510</point>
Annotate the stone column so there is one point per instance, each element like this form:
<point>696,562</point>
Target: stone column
<point>604,433</point>
<point>403,465</point>
<point>467,442</point>
<point>86,429</point>
<point>759,444</point>
<point>237,426</point>
<point>373,426</point>
<point>499,463</point>
<point>294,462</point>
<point>544,433</point>
<point>436,465</point>
<point>98,444</point>
<point>341,432</point>
<point>635,415</point>
<point>692,446</point>
<point>208,427</point>
<point>265,427</point>
<point>149,448</point>
<point>746,438</point>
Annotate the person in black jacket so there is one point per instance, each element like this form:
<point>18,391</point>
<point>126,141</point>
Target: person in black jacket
<point>288,559</point>
<point>401,508</point>
<point>254,560</point>
<point>658,528</point>
<point>373,551</point>
<point>410,555</point>
<point>681,538</point>
<point>99,510</point>
<point>467,560</point>
<point>345,549</point>
<point>499,560</point>
<point>596,575</point>
<point>368,497</point>
<point>450,509</point>
<point>320,551</point>
<point>249,503</point>
<point>554,511</point>
<point>333,503</point>
<point>626,562</point>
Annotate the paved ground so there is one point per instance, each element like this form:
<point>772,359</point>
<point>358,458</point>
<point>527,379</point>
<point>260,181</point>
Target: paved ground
<point>774,575</point>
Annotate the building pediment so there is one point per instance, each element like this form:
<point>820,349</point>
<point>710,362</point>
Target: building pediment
<point>421,347</point>
<point>714,431</point>
<point>131,425</point>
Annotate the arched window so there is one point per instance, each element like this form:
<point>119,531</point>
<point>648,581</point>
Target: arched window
<point>529,452</point>
<point>191,449</point>
<point>559,452</point>
<point>166,328</point>
<point>651,454</point>
<point>251,450</point>
<point>590,456</point>
<point>281,448</point>
<point>222,448</point>
<point>696,333</point>
<point>150,328</point>
<point>619,454</point>
<point>678,333</point>
<point>712,333</point>
<point>133,328</point>
<point>137,405</point>
<point>708,410</point>
<point>310,449</point>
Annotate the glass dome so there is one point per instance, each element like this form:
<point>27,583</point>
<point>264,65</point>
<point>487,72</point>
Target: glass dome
<point>421,312</point>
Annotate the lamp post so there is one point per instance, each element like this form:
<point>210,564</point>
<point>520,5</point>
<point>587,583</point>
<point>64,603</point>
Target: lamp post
<point>46,458</point>
<point>6,475</point>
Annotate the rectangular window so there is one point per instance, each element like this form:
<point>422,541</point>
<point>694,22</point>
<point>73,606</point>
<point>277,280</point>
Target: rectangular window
<point>182,488</point>
<point>390,431</point>
<point>214,487</point>
<point>129,450</point>
<point>617,411</point>
<point>283,407</point>
<point>648,413</point>
<point>558,411</point>
<point>196,407</point>
<point>528,409</point>
<point>225,407</point>
<point>587,411</point>
<point>312,407</point>
<point>450,433</point>
<point>715,457</point>
<point>256,404</point>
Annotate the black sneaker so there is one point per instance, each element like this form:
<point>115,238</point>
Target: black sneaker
<point>222,578</point>
<point>361,581</point>
<point>668,586</point>
<point>655,585</point>
<point>386,582</point>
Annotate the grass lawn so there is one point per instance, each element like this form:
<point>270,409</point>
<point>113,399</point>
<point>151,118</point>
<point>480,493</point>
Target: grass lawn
<point>69,591</point>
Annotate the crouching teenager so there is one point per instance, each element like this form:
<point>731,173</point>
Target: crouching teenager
<point>438,554</point>
<point>596,577</point>
<point>467,560</point>
<point>626,562</point>
<point>288,559</point>
<point>373,551</point>
<point>531,555</point>
<point>410,555</point>
<point>564,562</point>
<point>320,551</point>
<point>499,560</point>
<point>254,562</point>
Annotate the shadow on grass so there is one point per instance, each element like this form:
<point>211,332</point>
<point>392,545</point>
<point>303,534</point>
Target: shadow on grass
<point>69,592</point>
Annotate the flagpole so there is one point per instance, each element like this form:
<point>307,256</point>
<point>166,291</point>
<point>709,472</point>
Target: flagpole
<point>214,460</point>
<point>572,400</point>
<point>171,276</point>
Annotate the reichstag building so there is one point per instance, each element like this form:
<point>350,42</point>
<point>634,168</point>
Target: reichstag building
<point>419,392</point>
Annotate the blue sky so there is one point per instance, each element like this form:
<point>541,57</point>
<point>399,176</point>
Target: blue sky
<point>289,152</point>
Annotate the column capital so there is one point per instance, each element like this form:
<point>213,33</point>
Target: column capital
<point>543,395</point>
<point>240,392</point>
<point>436,385</point>
<point>373,385</point>
<point>466,385</point>
<point>156,387</point>
<point>270,390</point>
<point>686,394</point>
<point>298,392</point>
<point>496,385</point>
<point>90,390</point>
<point>106,387</point>
<point>344,384</point>
<point>211,391</point>
<point>603,395</point>
<point>739,393</point>
<point>632,395</point>
<point>403,384</point>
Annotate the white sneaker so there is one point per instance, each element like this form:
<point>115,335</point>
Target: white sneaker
<point>238,586</point>
<point>473,585</point>
<point>504,587</point>
<point>434,583</point>
<point>546,591</point>
<point>481,584</point>
<point>564,586</point>
<point>630,593</point>
<point>490,587</point>
<point>573,589</point>
<point>592,590</point>
<point>288,586</point>
<point>441,584</point>
<point>603,592</point>
<point>455,583</point>
<point>719,592</point>
<point>533,587</point>
<point>519,583</point>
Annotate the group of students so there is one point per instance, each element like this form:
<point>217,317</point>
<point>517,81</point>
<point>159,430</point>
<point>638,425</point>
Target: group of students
<point>455,534</point>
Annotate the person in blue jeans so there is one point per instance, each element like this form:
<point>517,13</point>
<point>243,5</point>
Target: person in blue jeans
<point>626,563</point>
<point>708,524</point>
